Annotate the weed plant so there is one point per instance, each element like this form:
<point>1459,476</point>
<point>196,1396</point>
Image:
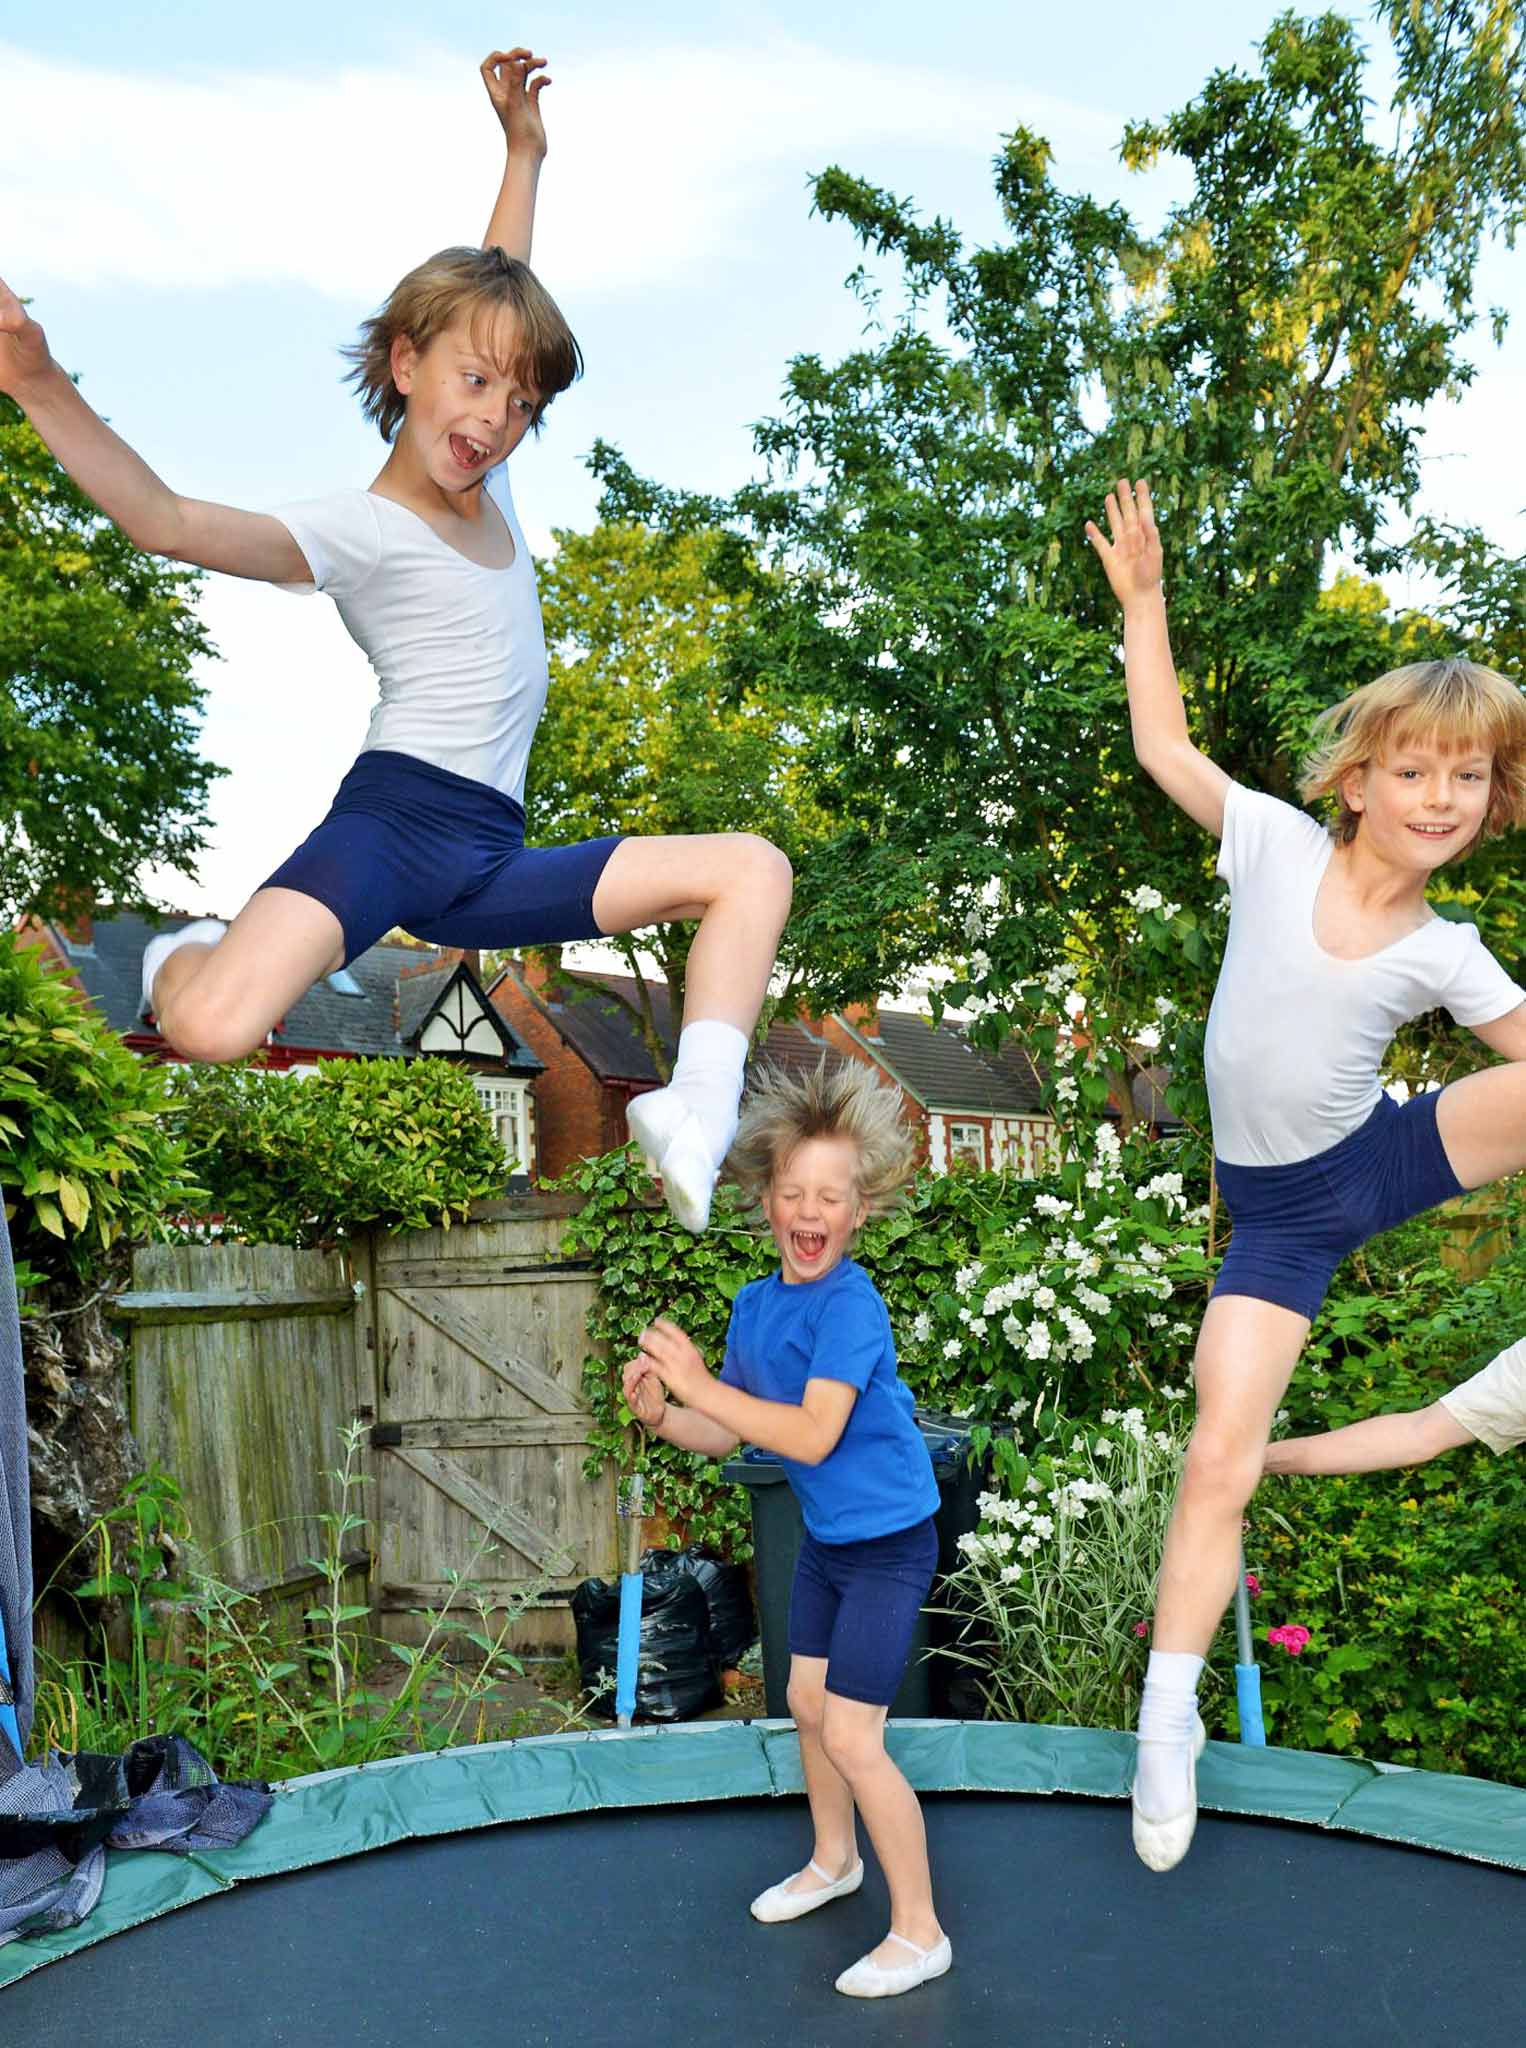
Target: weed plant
<point>179,1651</point>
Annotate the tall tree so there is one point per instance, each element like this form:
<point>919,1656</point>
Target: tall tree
<point>642,731</point>
<point>99,772</point>
<point>918,533</point>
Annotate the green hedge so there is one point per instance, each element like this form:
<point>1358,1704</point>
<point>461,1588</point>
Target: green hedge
<point>301,1161</point>
<point>85,1159</point>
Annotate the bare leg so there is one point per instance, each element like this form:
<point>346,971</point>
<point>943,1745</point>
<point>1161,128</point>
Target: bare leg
<point>1245,1357</point>
<point>1481,1120</point>
<point>853,1747</point>
<point>736,884</point>
<point>1246,1353</point>
<point>218,1002</point>
<point>836,1843</point>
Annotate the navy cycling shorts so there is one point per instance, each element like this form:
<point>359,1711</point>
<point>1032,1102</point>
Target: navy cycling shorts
<point>856,1604</point>
<point>1294,1224</point>
<point>406,843</point>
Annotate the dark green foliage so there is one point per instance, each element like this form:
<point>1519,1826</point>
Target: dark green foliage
<point>84,1159</point>
<point>100,776</point>
<point>396,1143</point>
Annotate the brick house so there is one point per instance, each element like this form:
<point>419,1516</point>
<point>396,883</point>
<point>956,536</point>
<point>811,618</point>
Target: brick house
<point>967,1107</point>
<point>393,1002</point>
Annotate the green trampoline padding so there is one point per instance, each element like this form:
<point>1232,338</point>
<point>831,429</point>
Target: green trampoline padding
<point>343,1813</point>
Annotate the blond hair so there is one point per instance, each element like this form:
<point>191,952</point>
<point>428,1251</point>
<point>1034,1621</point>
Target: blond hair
<point>483,284</point>
<point>1452,702</point>
<point>835,1099</point>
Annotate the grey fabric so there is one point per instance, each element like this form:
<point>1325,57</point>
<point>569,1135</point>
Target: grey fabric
<point>15,1512</point>
<point>58,1817</point>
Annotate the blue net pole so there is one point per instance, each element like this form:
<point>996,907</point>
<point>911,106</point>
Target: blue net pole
<point>1247,1671</point>
<point>628,1642</point>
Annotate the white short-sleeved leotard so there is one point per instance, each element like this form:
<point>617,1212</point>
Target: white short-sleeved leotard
<point>458,650</point>
<point>1296,1037</point>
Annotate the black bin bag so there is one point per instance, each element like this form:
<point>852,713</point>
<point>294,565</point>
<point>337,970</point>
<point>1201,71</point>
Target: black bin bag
<point>733,1618</point>
<point>677,1676</point>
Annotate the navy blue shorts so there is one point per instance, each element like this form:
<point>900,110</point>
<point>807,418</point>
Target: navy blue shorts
<point>406,843</point>
<point>1294,1224</point>
<point>856,1604</point>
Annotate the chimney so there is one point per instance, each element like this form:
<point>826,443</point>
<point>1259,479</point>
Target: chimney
<point>540,969</point>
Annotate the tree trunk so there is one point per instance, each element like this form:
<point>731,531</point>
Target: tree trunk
<point>80,1443</point>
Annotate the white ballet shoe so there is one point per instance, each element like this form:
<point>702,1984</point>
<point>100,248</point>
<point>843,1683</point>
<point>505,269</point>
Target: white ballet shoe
<point>1161,1844</point>
<point>205,931</point>
<point>780,1903</point>
<point>869,1979</point>
<point>671,1137</point>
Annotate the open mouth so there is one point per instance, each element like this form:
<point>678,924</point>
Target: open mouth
<point>1433,831</point>
<point>470,454</point>
<point>809,1245</point>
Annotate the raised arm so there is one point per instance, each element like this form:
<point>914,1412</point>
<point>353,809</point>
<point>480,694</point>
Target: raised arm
<point>515,90</point>
<point>152,516</point>
<point>1134,563</point>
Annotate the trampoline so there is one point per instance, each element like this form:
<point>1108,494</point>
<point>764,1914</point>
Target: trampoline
<point>1324,1901</point>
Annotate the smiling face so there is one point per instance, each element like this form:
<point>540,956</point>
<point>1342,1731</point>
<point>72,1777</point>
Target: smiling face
<point>1421,803</point>
<point>468,402</point>
<point>814,1208</point>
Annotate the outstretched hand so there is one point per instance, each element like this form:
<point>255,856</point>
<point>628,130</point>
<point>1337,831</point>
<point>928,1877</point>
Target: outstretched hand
<point>23,345</point>
<point>514,88</point>
<point>674,1358</point>
<point>1133,558</point>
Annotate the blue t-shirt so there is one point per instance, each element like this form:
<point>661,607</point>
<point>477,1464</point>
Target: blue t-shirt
<point>878,1477</point>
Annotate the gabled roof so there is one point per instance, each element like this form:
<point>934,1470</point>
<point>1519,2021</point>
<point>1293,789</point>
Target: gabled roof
<point>937,1064</point>
<point>452,998</point>
<point>109,968</point>
<point>942,1069</point>
<point>1014,1063</point>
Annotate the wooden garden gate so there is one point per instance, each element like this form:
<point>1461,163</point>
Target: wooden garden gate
<point>481,1430</point>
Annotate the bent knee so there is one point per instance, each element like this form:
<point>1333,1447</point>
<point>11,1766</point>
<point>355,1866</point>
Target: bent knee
<point>804,1703</point>
<point>1222,1471</point>
<point>851,1748</point>
<point>766,868</point>
<point>207,1034</point>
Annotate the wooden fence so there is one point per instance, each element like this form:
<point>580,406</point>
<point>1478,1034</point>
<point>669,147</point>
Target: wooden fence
<point>459,1351</point>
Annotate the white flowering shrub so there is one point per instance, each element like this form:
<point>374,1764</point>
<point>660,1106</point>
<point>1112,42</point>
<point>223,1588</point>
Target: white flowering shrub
<point>1057,1585</point>
<point>1089,1280</point>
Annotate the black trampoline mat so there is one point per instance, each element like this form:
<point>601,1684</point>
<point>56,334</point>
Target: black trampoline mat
<point>630,1929</point>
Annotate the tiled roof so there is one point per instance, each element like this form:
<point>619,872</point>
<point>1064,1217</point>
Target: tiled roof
<point>110,970</point>
<point>1014,1063</point>
<point>943,1070</point>
<point>416,996</point>
<point>603,1030</point>
<point>937,1063</point>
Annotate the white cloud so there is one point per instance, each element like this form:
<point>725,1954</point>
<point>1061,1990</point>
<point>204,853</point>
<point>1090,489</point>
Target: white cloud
<point>199,180</point>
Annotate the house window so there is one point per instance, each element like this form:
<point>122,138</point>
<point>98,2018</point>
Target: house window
<point>967,1145</point>
<point>508,1104</point>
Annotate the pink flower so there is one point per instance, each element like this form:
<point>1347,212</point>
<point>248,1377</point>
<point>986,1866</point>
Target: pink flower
<point>1141,1628</point>
<point>1292,1637</point>
<point>1253,1585</point>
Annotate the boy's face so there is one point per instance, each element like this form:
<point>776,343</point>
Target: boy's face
<point>466,410</point>
<point>1421,803</point>
<point>814,1208</point>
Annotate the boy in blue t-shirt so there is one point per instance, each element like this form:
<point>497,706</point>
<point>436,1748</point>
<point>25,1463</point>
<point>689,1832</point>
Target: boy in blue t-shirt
<point>810,1374</point>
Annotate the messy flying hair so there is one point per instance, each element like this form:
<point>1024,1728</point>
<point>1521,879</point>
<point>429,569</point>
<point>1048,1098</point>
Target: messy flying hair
<point>834,1099</point>
<point>482,283</point>
<point>1452,703</point>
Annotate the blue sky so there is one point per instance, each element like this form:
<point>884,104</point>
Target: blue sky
<point>203,203</point>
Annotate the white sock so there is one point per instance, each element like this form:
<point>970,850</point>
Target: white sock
<point>1167,1723</point>
<point>707,1079</point>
